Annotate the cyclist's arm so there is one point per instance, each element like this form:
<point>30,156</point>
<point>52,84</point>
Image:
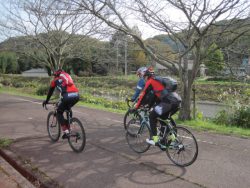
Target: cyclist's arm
<point>148,83</point>
<point>51,90</point>
<point>139,88</point>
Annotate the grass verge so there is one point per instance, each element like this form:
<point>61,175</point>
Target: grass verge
<point>207,125</point>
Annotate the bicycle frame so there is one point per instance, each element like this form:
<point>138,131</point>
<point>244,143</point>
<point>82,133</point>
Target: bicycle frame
<point>166,125</point>
<point>69,113</point>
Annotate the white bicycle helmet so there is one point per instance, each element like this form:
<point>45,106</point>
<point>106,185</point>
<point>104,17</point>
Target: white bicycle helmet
<point>141,71</point>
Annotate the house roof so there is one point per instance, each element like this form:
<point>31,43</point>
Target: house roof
<point>39,70</point>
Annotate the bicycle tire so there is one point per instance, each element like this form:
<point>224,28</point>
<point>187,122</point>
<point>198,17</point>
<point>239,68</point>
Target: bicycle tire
<point>52,123</point>
<point>126,118</point>
<point>77,133</point>
<point>136,136</point>
<point>181,148</point>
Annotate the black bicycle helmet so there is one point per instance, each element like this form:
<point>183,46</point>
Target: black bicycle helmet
<point>149,72</point>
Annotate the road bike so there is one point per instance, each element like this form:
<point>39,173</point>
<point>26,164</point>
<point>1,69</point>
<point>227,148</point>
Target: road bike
<point>76,137</point>
<point>178,142</point>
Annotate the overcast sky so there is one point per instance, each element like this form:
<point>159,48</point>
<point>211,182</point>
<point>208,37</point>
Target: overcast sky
<point>146,30</point>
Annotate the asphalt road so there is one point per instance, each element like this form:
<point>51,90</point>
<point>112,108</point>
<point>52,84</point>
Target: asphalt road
<point>107,161</point>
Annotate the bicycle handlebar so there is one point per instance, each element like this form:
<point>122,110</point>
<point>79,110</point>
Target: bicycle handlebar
<point>128,100</point>
<point>52,103</point>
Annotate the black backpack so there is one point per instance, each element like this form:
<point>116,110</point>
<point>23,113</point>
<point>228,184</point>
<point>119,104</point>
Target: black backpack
<point>169,83</point>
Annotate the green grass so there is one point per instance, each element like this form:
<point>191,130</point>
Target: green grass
<point>15,91</point>
<point>206,125</point>
<point>100,107</point>
<point>4,142</point>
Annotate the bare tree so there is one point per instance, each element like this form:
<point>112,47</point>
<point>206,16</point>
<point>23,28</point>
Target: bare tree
<point>197,24</point>
<point>51,26</point>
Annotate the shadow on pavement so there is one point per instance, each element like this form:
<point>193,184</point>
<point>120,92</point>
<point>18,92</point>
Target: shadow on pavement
<point>105,161</point>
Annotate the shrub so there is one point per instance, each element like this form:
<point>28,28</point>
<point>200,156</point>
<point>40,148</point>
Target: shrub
<point>241,117</point>
<point>18,84</point>
<point>6,82</point>
<point>247,92</point>
<point>222,117</point>
<point>42,90</point>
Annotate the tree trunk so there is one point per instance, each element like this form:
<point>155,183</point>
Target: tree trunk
<point>186,89</point>
<point>185,112</point>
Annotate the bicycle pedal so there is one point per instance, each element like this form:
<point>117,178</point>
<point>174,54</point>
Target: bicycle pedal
<point>65,136</point>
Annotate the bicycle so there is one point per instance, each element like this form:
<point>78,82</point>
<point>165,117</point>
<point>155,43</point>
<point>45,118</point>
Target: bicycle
<point>76,137</point>
<point>130,115</point>
<point>176,141</point>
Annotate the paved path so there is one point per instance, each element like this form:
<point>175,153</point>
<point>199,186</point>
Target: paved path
<point>108,162</point>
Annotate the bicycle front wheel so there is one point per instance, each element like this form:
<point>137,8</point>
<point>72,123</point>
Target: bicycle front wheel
<point>77,137</point>
<point>137,135</point>
<point>129,116</point>
<point>184,150</point>
<point>53,127</point>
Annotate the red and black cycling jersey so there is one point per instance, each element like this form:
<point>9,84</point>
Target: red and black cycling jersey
<point>64,83</point>
<point>151,84</point>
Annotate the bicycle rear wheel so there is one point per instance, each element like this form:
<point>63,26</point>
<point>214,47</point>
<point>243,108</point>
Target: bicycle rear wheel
<point>77,137</point>
<point>53,127</point>
<point>137,135</point>
<point>184,150</point>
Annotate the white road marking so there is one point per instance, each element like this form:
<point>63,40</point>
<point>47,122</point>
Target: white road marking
<point>117,121</point>
<point>28,101</point>
<point>41,103</point>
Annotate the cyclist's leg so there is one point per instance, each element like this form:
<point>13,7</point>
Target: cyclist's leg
<point>61,120</point>
<point>68,100</point>
<point>153,120</point>
<point>71,99</point>
<point>157,111</point>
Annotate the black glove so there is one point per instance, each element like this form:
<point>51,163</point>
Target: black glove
<point>44,103</point>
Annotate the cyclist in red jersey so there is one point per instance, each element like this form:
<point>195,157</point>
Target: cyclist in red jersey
<point>69,96</point>
<point>164,102</point>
